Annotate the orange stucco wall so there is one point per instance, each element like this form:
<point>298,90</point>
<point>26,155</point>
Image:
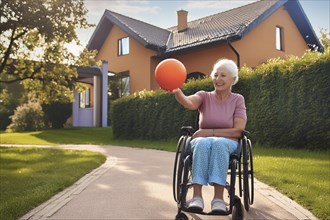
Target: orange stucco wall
<point>254,48</point>
<point>137,62</point>
<point>259,45</point>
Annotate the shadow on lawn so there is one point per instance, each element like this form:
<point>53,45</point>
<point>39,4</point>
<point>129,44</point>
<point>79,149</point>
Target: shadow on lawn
<point>76,136</point>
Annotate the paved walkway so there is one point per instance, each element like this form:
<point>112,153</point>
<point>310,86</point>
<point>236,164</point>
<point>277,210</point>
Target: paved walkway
<point>137,184</point>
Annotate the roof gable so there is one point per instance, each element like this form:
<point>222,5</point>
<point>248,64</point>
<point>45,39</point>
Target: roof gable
<point>232,24</point>
<point>304,26</point>
<point>148,35</point>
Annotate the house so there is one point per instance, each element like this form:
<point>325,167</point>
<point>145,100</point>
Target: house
<point>90,108</point>
<point>250,35</point>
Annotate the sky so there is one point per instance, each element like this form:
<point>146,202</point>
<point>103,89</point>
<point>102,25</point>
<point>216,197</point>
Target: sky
<point>163,13</point>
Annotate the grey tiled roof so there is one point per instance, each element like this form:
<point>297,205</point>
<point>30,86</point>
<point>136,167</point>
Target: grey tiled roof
<point>218,27</point>
<point>151,35</point>
<point>232,25</point>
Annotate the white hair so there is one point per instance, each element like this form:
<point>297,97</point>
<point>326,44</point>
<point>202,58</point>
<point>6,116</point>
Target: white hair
<point>229,65</point>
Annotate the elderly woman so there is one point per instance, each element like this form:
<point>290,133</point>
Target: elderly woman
<point>222,118</point>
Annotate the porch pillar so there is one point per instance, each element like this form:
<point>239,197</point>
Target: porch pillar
<point>104,112</point>
<point>97,101</point>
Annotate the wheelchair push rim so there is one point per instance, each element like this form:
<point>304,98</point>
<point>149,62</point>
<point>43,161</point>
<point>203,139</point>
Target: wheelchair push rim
<point>177,167</point>
<point>248,177</point>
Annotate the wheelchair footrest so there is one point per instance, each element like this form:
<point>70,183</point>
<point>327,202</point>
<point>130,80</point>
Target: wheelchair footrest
<point>185,209</point>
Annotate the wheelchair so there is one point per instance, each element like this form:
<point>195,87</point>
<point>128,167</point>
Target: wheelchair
<point>240,165</point>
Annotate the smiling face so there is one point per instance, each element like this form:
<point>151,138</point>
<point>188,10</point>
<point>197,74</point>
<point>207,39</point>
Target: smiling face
<point>223,79</point>
<point>224,75</point>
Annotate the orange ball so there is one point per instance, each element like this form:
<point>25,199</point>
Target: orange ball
<point>170,74</point>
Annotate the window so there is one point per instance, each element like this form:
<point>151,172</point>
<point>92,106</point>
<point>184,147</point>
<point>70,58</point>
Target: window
<point>84,99</point>
<point>119,85</point>
<point>124,85</point>
<point>123,46</point>
<point>279,39</point>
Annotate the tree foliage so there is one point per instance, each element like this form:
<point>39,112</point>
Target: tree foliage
<point>34,38</point>
<point>325,38</point>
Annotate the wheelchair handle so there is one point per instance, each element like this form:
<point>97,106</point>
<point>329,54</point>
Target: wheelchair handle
<point>188,130</point>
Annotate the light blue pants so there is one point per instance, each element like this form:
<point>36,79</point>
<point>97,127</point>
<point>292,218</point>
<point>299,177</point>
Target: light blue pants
<point>211,159</point>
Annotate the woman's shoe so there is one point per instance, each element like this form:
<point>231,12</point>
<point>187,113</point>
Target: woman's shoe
<point>218,205</point>
<point>196,204</point>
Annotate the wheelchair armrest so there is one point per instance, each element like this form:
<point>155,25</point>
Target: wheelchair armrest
<point>245,133</point>
<point>188,130</point>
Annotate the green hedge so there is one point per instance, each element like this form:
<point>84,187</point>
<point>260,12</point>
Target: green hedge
<point>287,105</point>
<point>146,115</point>
<point>288,102</point>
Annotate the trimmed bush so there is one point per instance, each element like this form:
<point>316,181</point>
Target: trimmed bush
<point>28,117</point>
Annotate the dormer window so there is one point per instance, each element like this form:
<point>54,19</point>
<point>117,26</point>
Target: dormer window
<point>123,46</point>
<point>279,38</point>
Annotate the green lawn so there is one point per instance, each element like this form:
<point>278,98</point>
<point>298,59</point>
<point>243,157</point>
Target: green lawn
<point>30,176</point>
<point>300,174</point>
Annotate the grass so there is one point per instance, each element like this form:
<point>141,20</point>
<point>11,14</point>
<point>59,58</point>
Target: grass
<point>30,176</point>
<point>60,136</point>
<point>302,175</point>
<point>98,136</point>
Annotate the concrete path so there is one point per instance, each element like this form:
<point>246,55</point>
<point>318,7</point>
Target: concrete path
<point>137,184</point>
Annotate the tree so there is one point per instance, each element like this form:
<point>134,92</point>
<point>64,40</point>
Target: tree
<point>33,45</point>
<point>325,40</point>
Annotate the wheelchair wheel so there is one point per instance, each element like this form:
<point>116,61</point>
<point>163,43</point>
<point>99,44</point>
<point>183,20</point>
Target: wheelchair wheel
<point>183,188</point>
<point>178,172</point>
<point>181,216</point>
<point>248,178</point>
<point>177,167</point>
<point>231,189</point>
<point>251,173</point>
<point>238,211</point>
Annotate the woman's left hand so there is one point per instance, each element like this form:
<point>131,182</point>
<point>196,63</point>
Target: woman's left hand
<point>202,133</point>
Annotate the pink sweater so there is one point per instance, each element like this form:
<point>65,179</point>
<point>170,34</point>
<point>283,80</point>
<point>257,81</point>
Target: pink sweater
<point>215,114</point>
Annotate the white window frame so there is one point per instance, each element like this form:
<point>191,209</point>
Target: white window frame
<point>279,38</point>
<point>123,46</point>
